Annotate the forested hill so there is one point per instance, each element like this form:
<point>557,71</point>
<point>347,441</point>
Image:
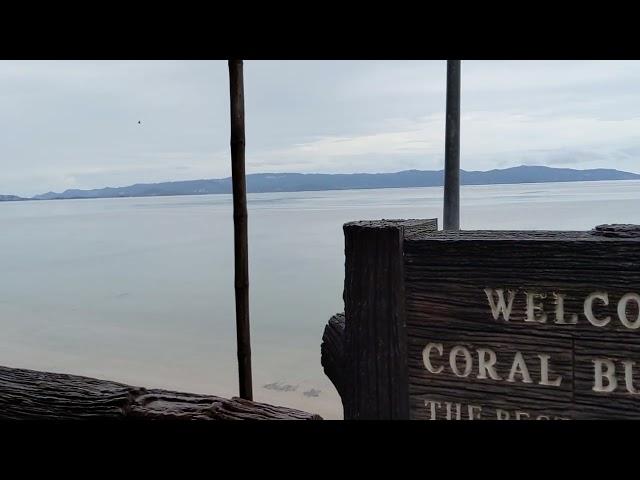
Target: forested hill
<point>295,182</point>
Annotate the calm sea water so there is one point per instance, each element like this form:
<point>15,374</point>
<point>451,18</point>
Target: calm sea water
<point>141,290</point>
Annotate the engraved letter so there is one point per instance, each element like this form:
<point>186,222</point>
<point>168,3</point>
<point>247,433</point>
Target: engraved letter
<point>502,414</point>
<point>501,306</point>
<point>467,361</point>
<point>610,374</point>
<point>432,404</point>
<point>474,415</point>
<point>588,308</point>
<point>532,307</point>
<point>485,365</point>
<point>573,319</point>
<point>426,357</point>
<point>519,366</point>
<point>458,415</point>
<point>544,372</point>
<point>622,310</point>
<point>628,375</point>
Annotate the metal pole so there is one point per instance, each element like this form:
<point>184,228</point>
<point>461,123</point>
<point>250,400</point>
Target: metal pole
<point>241,244</point>
<point>451,217</point>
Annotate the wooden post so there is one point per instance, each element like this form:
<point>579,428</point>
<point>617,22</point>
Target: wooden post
<point>451,217</point>
<point>241,245</point>
<point>364,351</point>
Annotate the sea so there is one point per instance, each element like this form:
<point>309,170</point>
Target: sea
<point>141,290</point>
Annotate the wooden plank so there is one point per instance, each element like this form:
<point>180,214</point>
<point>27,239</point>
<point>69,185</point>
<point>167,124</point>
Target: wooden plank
<point>35,395</point>
<point>449,398</point>
<point>570,318</point>
<point>450,272</point>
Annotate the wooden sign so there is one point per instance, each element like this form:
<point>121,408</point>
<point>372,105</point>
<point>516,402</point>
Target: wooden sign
<point>495,325</point>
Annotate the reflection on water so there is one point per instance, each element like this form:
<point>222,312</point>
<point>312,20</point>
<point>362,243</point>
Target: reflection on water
<point>141,290</point>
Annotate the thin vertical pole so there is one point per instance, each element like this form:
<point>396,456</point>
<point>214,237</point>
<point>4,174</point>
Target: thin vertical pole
<point>451,215</point>
<point>241,244</point>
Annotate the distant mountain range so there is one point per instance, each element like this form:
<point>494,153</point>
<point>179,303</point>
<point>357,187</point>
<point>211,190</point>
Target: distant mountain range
<point>297,182</point>
<point>11,198</point>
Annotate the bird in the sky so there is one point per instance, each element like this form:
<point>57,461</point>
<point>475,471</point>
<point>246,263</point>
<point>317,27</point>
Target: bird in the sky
<point>139,122</point>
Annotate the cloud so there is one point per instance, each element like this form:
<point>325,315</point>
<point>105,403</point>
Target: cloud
<point>487,138</point>
<point>76,122</point>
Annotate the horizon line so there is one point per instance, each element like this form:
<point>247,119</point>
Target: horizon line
<point>32,197</point>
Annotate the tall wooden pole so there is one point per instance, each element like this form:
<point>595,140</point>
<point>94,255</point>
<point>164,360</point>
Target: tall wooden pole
<point>451,217</point>
<point>241,244</point>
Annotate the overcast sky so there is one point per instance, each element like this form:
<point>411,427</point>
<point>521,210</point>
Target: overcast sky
<point>74,124</point>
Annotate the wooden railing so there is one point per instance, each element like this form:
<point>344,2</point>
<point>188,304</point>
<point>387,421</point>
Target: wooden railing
<point>34,395</point>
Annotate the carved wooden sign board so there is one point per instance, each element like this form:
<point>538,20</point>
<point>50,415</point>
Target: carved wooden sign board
<point>489,325</point>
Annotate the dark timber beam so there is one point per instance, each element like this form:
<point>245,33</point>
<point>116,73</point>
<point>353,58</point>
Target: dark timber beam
<point>364,349</point>
<point>34,395</point>
<point>241,244</point>
<point>451,216</point>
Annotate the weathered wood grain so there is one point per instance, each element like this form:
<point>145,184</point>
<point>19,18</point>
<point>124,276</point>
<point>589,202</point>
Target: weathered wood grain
<point>505,347</point>
<point>445,277</point>
<point>375,384</point>
<point>441,279</point>
<point>455,406</point>
<point>620,230</point>
<point>34,395</point>
<point>374,354</point>
<point>332,352</point>
<point>617,404</point>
